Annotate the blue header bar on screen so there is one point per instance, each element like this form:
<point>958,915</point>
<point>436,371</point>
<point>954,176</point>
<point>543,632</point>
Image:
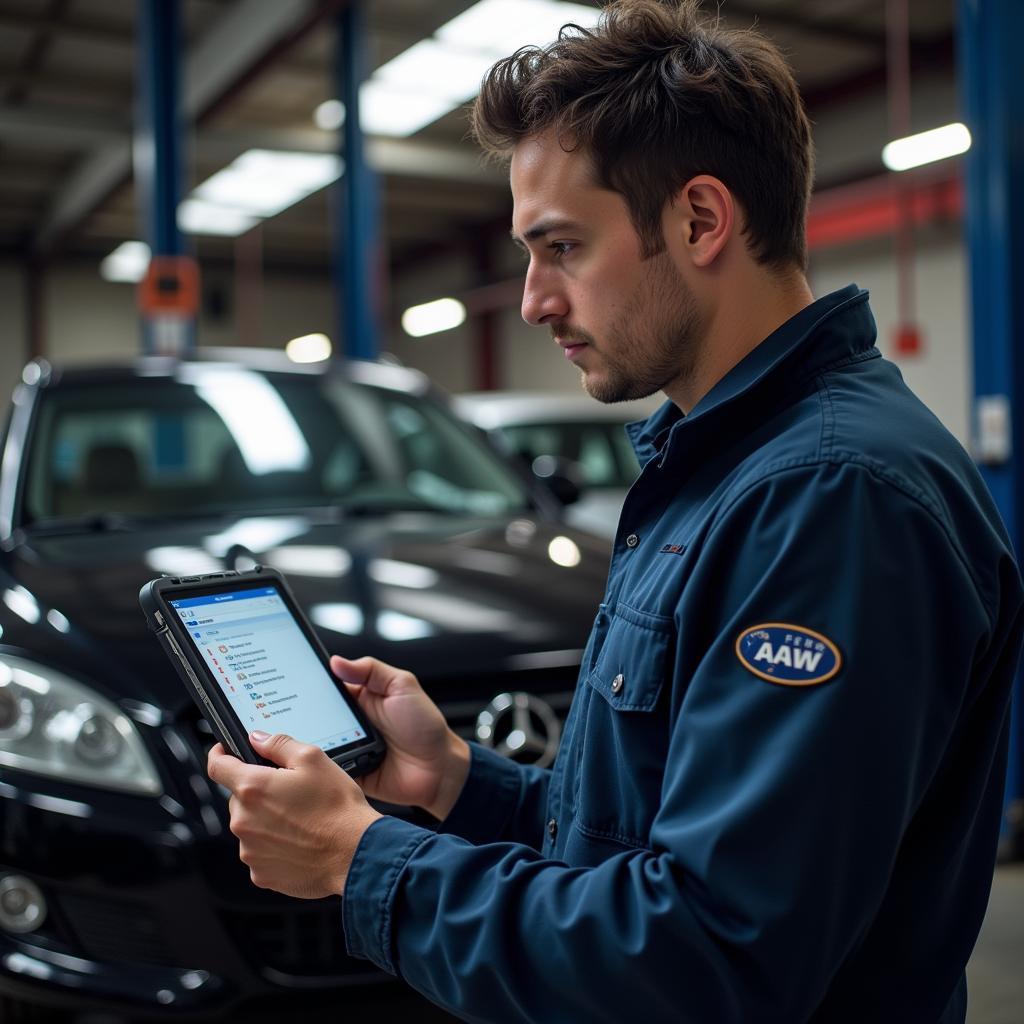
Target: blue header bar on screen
<point>234,595</point>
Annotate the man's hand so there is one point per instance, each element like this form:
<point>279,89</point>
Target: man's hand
<point>426,763</point>
<point>298,826</point>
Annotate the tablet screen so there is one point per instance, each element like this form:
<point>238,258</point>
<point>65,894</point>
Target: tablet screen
<point>266,668</point>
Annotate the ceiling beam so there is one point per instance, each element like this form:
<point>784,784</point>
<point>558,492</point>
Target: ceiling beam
<point>71,26</point>
<point>43,127</point>
<point>35,54</point>
<point>829,28</point>
<point>238,40</point>
<point>412,158</point>
<point>935,55</point>
<point>101,85</point>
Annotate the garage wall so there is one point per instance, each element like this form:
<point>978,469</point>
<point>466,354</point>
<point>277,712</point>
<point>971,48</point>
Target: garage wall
<point>849,140</point>
<point>13,330</point>
<point>941,374</point>
<point>290,305</point>
<point>448,358</point>
<point>89,319</point>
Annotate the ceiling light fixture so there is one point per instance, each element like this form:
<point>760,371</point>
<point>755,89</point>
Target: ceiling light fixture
<point>127,263</point>
<point>500,27</point>
<point>197,217</point>
<point>398,110</point>
<point>263,182</point>
<point>927,147</point>
<point>440,73</point>
<point>309,348</point>
<point>436,68</point>
<point>432,317</point>
<point>330,115</point>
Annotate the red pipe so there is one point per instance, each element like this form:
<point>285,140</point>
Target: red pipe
<point>873,209</point>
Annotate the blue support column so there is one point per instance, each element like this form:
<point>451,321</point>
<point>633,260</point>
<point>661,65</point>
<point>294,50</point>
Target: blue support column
<point>992,90</point>
<point>356,244</point>
<point>158,158</point>
<point>158,163</point>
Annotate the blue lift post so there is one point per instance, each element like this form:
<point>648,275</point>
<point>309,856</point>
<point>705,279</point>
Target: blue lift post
<point>158,158</point>
<point>356,242</point>
<point>992,91</point>
<point>158,164</point>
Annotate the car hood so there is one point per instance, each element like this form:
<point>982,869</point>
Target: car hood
<point>445,597</point>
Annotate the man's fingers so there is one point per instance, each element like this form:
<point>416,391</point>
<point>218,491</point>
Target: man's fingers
<point>227,770</point>
<point>375,675</point>
<point>283,750</point>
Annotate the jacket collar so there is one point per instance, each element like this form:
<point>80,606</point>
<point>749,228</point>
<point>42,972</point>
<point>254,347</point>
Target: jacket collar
<point>834,329</point>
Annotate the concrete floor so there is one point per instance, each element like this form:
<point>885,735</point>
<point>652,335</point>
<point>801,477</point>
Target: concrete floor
<point>995,975</point>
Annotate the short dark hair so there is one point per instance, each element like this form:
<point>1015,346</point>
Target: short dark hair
<point>656,95</point>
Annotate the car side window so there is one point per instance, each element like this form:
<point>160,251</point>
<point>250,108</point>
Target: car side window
<point>601,450</point>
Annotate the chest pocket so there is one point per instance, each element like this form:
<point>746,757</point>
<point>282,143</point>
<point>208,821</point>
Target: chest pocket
<point>621,759</point>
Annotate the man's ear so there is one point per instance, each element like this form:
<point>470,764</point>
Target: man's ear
<point>706,217</point>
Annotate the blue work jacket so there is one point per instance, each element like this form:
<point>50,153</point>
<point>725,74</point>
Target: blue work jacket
<point>778,793</point>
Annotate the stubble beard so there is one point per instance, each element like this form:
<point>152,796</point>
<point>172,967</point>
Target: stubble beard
<point>655,342</point>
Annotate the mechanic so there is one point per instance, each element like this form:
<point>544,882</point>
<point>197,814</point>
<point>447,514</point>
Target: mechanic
<point>778,794</point>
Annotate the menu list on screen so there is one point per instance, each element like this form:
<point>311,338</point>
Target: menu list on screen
<point>266,668</point>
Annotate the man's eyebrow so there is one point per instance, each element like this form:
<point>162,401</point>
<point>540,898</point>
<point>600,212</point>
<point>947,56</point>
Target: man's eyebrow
<point>544,227</point>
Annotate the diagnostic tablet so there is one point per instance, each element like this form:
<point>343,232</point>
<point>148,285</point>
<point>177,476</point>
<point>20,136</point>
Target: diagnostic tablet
<point>251,660</point>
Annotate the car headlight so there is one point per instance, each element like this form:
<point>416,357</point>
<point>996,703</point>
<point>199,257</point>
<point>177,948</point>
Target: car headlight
<point>54,725</point>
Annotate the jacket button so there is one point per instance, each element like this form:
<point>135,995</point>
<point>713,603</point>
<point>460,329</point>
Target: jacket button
<point>632,540</point>
<point>552,829</point>
<point>617,683</point>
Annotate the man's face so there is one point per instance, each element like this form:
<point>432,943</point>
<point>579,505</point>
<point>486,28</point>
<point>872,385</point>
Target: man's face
<point>630,325</point>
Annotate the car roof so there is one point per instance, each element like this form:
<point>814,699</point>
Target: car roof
<point>491,409</point>
<point>381,374</point>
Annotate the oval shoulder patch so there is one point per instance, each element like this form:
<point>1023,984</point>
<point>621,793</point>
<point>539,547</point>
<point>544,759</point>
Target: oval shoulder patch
<point>788,655</point>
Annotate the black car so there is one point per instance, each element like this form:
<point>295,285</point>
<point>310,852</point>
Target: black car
<point>403,536</point>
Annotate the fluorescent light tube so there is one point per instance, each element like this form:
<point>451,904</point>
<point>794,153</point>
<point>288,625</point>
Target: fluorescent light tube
<point>310,348</point>
<point>127,263</point>
<point>926,147</point>
<point>388,110</point>
<point>438,74</point>
<point>500,27</point>
<point>196,217</point>
<point>431,317</point>
<point>263,182</point>
<point>436,69</point>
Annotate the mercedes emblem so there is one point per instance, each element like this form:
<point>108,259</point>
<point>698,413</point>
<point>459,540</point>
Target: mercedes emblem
<point>520,726</point>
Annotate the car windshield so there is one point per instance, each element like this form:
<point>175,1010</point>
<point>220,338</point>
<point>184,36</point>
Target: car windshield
<point>600,449</point>
<point>224,439</point>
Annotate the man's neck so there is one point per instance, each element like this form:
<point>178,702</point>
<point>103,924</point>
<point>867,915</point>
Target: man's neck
<point>736,327</point>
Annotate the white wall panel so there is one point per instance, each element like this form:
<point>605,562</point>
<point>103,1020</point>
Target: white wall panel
<point>450,357</point>
<point>941,374</point>
<point>530,359</point>
<point>88,319</point>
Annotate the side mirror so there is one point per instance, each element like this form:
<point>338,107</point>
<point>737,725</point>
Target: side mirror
<point>561,476</point>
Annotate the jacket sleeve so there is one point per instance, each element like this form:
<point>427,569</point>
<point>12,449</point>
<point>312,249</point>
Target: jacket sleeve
<point>501,801</point>
<point>782,808</point>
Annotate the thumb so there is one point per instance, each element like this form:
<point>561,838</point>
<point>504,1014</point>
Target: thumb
<point>281,749</point>
<point>355,673</point>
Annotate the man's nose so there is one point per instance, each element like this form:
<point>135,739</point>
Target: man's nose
<point>542,298</point>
